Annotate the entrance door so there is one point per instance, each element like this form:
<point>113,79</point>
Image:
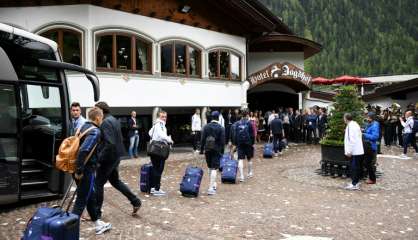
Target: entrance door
<point>272,100</point>
<point>9,142</point>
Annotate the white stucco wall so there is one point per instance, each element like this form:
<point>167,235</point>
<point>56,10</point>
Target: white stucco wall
<point>260,60</point>
<point>140,90</point>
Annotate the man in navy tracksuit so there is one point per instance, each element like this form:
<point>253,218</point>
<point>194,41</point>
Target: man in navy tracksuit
<point>277,131</point>
<point>370,136</point>
<point>213,142</point>
<point>244,138</point>
<point>85,171</point>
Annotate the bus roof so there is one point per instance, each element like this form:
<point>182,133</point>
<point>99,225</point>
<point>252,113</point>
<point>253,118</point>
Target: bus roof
<point>23,33</point>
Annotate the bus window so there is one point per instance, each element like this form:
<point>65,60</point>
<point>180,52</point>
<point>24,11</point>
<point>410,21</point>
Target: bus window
<point>7,109</point>
<point>43,109</point>
<point>24,54</point>
<point>8,145</point>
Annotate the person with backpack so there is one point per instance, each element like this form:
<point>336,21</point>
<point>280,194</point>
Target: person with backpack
<point>244,137</point>
<point>85,170</point>
<point>213,143</point>
<point>111,149</point>
<point>277,132</point>
<point>409,131</point>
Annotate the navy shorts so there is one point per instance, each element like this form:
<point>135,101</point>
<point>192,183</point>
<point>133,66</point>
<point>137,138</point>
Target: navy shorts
<point>245,151</point>
<point>213,159</point>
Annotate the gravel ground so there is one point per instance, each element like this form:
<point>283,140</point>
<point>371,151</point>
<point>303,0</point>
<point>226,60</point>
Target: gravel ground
<point>285,200</point>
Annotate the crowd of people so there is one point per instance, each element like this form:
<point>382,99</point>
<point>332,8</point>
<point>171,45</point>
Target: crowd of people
<point>238,131</point>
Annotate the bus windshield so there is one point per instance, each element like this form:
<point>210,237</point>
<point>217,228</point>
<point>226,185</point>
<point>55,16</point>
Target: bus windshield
<point>24,54</point>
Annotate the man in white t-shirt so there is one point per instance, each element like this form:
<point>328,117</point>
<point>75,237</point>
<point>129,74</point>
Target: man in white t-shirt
<point>196,129</point>
<point>353,149</point>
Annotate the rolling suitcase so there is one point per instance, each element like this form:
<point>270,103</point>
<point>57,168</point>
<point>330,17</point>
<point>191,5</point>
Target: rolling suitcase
<point>53,223</point>
<point>224,159</point>
<point>229,171</point>
<point>145,176</point>
<point>190,185</point>
<point>268,150</point>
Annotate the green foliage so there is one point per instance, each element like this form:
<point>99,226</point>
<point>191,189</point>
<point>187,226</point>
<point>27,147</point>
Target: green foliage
<point>347,100</point>
<point>358,37</point>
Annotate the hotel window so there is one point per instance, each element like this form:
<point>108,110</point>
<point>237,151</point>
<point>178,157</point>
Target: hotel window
<point>224,64</point>
<point>122,52</point>
<point>180,59</point>
<point>69,44</point>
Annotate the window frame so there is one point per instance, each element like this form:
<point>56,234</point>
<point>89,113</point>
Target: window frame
<point>218,65</point>
<point>134,38</point>
<point>173,72</point>
<point>60,39</point>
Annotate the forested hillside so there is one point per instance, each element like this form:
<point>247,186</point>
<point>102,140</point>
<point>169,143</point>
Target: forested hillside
<point>359,37</point>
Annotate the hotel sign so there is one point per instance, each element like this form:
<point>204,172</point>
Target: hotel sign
<point>280,71</point>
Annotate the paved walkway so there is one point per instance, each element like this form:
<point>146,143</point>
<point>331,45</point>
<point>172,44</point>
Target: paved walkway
<point>285,200</point>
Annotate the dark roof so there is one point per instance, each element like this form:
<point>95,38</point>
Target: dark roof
<point>284,42</point>
<point>328,96</point>
<point>394,89</point>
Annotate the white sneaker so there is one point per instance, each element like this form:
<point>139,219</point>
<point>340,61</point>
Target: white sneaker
<point>276,155</point>
<point>250,175</point>
<point>242,179</point>
<point>158,193</point>
<point>211,191</point>
<point>102,227</point>
<point>353,187</point>
<point>404,156</point>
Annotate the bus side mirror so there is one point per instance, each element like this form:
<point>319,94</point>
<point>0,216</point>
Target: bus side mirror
<point>96,87</point>
<point>72,67</point>
<point>45,91</point>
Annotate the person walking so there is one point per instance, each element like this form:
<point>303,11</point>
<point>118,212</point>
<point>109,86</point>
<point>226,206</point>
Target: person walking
<point>110,151</point>
<point>213,143</point>
<point>133,135</point>
<point>196,128</point>
<point>244,137</point>
<point>85,170</point>
<point>353,149</point>
<point>77,120</point>
<point>371,136</point>
<point>311,127</point>
<point>322,122</point>
<point>408,134</point>
<point>158,133</point>
<point>277,132</point>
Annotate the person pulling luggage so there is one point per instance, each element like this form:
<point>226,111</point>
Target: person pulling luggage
<point>85,170</point>
<point>213,143</point>
<point>244,137</point>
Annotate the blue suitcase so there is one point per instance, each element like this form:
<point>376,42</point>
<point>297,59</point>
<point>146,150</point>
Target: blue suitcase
<point>63,226</point>
<point>54,223</point>
<point>229,171</point>
<point>224,159</point>
<point>268,150</point>
<point>145,177</point>
<point>190,185</point>
<point>34,228</point>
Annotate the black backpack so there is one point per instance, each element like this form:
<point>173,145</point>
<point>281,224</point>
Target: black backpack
<point>210,143</point>
<point>242,132</point>
<point>415,126</point>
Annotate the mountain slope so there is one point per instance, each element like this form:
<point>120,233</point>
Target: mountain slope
<point>358,37</point>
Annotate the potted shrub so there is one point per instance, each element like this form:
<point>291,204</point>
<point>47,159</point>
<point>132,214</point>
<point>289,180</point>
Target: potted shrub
<point>333,160</point>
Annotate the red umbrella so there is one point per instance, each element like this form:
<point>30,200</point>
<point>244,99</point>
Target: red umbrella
<point>346,79</point>
<point>322,81</point>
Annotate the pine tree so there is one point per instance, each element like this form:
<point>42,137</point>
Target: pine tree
<point>347,100</point>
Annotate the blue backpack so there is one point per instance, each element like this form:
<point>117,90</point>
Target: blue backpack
<point>415,126</point>
<point>242,132</point>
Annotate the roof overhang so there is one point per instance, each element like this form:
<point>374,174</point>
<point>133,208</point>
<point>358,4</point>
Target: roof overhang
<point>276,42</point>
<point>395,89</point>
<point>283,73</point>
